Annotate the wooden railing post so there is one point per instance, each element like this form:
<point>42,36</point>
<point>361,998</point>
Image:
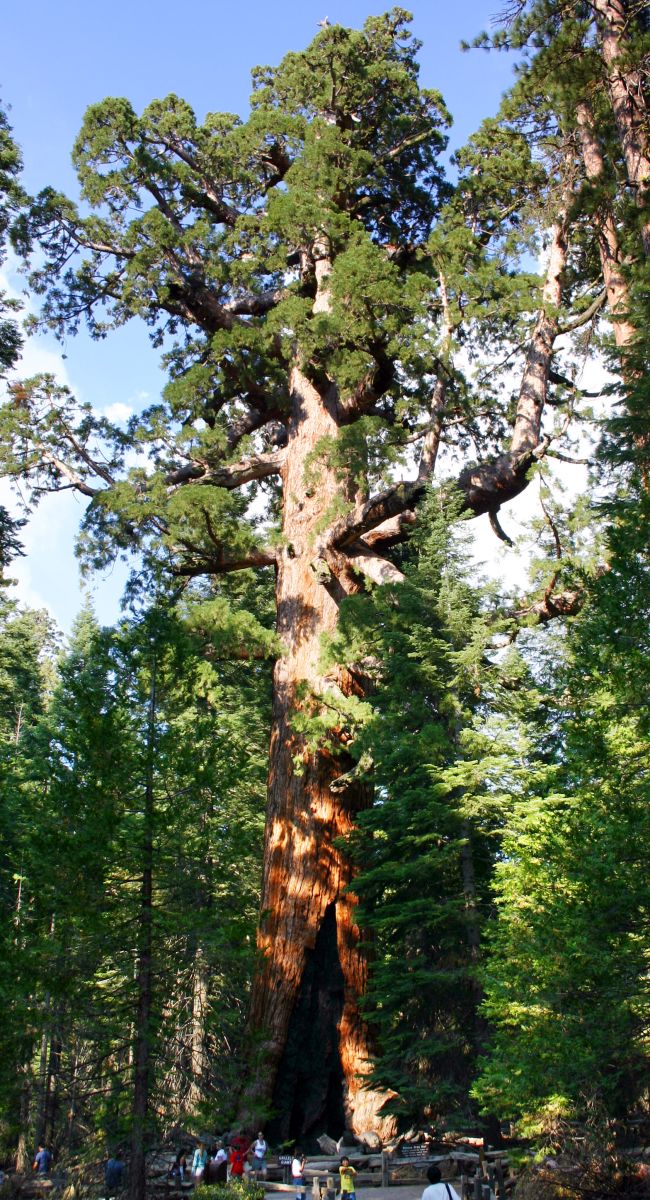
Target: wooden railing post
<point>385,1181</point>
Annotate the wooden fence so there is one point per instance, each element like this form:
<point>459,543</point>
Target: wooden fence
<point>476,1176</point>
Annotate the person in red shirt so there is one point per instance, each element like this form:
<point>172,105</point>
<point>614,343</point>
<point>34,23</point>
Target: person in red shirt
<point>237,1158</point>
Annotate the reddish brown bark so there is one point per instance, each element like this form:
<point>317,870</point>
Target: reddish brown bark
<point>611,259</point>
<point>305,871</point>
<point>608,243</point>
<point>625,83</point>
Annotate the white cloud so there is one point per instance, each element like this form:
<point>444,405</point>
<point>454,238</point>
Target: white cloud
<point>36,358</point>
<point>118,412</point>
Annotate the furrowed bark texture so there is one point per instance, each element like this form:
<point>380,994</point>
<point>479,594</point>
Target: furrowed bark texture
<point>485,486</point>
<point>305,873</point>
<point>608,242</point>
<point>626,91</point>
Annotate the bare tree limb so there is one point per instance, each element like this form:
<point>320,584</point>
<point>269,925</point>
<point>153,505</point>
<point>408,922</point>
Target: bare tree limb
<point>219,564</point>
<point>584,318</point>
<point>68,473</point>
<point>255,466</point>
<point>498,529</point>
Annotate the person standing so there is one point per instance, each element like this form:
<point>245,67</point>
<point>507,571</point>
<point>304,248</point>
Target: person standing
<point>220,1164</point>
<point>237,1159</point>
<point>179,1167</point>
<point>42,1160</point>
<point>298,1174</point>
<point>260,1151</point>
<point>198,1162</point>
<point>437,1190</point>
<point>347,1174</point>
<point>114,1174</point>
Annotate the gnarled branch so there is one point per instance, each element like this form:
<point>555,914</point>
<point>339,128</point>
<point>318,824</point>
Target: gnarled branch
<point>220,564</point>
<point>255,466</point>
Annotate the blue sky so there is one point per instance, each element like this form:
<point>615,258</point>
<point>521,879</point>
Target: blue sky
<point>60,57</point>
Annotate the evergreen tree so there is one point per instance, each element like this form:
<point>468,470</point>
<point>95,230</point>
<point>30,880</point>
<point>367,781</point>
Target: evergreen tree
<point>140,857</point>
<point>11,196</point>
<point>26,647</point>
<point>315,268</point>
<point>566,979</point>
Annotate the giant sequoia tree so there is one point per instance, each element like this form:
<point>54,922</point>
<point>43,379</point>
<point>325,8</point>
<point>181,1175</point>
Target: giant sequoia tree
<point>308,272</point>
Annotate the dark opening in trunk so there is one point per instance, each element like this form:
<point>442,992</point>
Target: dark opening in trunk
<point>308,1096</point>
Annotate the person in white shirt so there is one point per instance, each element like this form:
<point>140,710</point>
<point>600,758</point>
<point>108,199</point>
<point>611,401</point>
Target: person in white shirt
<point>260,1151</point>
<point>297,1177</point>
<point>437,1190</point>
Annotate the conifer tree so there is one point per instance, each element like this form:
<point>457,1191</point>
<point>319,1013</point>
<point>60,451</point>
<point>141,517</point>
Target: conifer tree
<point>140,855</point>
<point>316,272</point>
<point>26,647</point>
<point>566,972</point>
<point>423,860</point>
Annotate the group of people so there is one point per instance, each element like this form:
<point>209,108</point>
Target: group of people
<point>436,1190</point>
<point>346,1175</point>
<point>216,1164</point>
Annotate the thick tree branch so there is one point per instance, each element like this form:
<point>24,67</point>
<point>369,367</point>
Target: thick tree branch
<point>391,532</point>
<point>551,606</point>
<point>253,420</point>
<point>373,566</point>
<point>75,480</point>
<point>585,317</point>
<point>487,485</point>
<point>220,564</point>
<point>255,304</point>
<point>255,466</point>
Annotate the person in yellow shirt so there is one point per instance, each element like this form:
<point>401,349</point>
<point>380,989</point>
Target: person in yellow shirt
<point>347,1174</point>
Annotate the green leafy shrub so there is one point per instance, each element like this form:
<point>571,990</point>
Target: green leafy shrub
<point>237,1189</point>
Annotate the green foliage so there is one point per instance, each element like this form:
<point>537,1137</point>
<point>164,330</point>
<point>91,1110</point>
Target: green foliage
<point>11,197</point>
<point>566,977</point>
<point>26,649</point>
<point>241,1189</point>
<point>75,851</point>
<point>319,237</point>
<point>423,849</point>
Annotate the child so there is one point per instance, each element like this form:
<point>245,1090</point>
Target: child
<point>347,1174</point>
<point>237,1160</point>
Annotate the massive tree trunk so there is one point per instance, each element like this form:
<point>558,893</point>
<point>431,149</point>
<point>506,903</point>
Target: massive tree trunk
<point>306,910</point>
<point>314,1046</point>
